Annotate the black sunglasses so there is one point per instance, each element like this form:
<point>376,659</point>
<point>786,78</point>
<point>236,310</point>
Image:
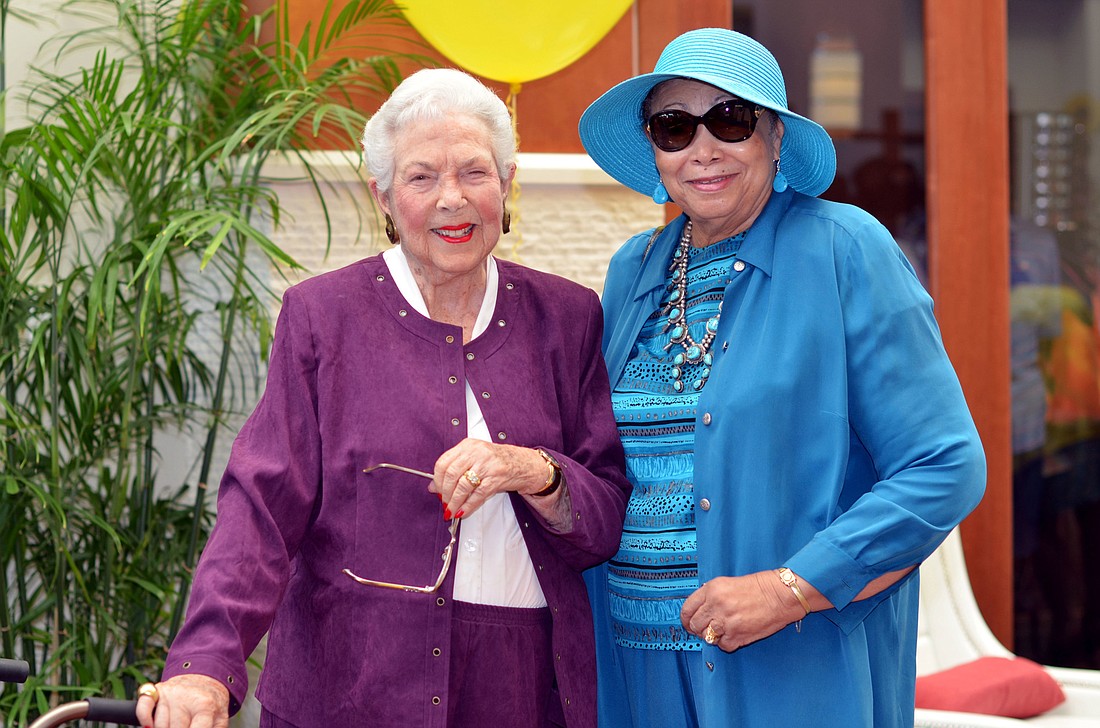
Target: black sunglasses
<point>729,121</point>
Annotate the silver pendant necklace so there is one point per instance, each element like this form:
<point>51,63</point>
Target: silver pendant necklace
<point>695,354</point>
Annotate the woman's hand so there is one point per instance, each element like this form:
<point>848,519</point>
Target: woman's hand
<point>744,609</point>
<point>472,471</point>
<point>741,609</point>
<point>186,701</point>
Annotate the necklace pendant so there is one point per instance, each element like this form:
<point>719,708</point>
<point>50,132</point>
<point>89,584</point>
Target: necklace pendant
<point>694,354</point>
<point>678,386</point>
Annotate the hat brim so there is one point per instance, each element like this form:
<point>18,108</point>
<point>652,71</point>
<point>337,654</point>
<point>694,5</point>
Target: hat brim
<point>613,134</point>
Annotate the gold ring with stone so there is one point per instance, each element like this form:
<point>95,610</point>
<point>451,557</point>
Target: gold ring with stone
<point>148,690</point>
<point>472,478</point>
<point>710,636</point>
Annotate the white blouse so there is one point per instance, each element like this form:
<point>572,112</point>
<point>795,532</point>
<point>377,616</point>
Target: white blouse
<point>491,564</point>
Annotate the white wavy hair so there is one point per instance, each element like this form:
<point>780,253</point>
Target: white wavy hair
<point>432,94</point>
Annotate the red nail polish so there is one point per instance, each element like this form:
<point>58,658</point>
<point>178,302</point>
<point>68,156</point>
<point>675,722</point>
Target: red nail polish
<point>446,513</point>
<point>440,496</point>
<point>460,514</point>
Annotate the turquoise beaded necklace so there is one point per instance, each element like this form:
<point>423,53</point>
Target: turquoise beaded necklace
<point>695,354</point>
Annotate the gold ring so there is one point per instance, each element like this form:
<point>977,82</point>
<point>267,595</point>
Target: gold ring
<point>472,478</point>
<point>710,636</point>
<point>148,690</point>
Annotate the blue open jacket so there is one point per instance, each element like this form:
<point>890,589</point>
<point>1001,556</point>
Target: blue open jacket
<point>838,443</point>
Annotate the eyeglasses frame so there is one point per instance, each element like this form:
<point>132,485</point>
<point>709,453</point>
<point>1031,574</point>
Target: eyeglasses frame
<point>448,551</point>
<point>757,111</point>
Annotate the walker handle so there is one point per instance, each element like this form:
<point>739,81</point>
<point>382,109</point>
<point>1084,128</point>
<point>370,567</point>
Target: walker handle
<point>103,710</point>
<point>14,671</point>
<point>108,710</point>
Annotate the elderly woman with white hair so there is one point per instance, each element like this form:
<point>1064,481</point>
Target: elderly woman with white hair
<point>428,400</point>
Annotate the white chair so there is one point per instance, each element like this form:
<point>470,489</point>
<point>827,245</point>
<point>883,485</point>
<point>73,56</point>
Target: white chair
<point>952,631</point>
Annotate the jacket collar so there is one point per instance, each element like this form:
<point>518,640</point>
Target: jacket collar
<point>758,250</point>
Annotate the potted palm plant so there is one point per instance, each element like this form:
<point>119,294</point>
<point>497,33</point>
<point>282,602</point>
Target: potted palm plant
<point>135,217</point>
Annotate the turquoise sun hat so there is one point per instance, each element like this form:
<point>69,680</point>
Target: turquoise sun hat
<point>613,132</point>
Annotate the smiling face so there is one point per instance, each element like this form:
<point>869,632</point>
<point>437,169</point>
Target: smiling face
<point>722,186</point>
<point>447,199</point>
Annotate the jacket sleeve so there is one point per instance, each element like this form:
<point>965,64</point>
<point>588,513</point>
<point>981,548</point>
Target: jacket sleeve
<point>912,432</point>
<point>265,503</point>
<point>593,464</point>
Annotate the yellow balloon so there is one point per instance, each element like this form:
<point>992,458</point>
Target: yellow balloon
<point>514,41</point>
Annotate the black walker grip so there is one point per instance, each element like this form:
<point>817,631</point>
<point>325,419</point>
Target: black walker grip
<point>14,671</point>
<point>109,710</point>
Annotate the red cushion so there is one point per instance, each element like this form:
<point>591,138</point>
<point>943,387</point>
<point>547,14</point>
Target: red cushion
<point>1014,688</point>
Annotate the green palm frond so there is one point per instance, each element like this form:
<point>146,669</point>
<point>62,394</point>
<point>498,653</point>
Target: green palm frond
<point>135,210</point>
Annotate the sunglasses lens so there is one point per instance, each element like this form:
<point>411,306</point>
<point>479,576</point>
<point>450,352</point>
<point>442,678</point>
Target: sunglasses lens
<point>672,131</point>
<point>729,121</point>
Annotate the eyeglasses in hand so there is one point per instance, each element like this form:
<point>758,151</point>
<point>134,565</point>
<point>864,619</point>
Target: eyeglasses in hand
<point>447,552</point>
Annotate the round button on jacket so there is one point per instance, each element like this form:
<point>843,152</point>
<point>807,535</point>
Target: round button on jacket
<point>705,504</point>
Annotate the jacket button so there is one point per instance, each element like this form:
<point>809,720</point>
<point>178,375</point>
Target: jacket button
<point>705,504</point>
<point>706,418</point>
<point>710,665</point>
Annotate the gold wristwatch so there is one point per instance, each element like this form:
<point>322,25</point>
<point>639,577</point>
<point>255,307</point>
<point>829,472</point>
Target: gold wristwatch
<point>553,478</point>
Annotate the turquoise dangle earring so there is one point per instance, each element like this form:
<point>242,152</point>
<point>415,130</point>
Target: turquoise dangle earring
<point>779,183</point>
<point>660,194</point>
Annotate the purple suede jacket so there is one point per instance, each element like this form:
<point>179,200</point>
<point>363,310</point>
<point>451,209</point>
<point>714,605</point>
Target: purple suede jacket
<point>357,377</point>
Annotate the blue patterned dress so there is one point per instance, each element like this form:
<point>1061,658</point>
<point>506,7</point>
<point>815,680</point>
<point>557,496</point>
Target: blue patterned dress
<point>655,568</point>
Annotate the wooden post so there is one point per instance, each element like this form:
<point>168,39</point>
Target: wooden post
<point>968,209</point>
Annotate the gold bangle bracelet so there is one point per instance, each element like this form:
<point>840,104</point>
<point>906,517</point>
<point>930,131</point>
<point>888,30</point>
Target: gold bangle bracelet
<point>790,580</point>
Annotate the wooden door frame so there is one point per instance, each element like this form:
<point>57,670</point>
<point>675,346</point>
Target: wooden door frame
<point>966,52</point>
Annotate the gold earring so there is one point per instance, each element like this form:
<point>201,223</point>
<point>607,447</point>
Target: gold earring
<point>506,221</point>
<point>391,231</point>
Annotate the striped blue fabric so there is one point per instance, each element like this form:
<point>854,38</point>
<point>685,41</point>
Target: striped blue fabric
<point>655,568</point>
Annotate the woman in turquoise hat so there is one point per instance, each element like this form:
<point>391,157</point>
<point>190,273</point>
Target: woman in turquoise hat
<point>796,436</point>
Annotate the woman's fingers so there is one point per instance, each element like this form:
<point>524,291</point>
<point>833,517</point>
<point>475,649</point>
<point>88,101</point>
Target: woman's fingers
<point>738,610</point>
<point>186,701</point>
<point>472,471</point>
